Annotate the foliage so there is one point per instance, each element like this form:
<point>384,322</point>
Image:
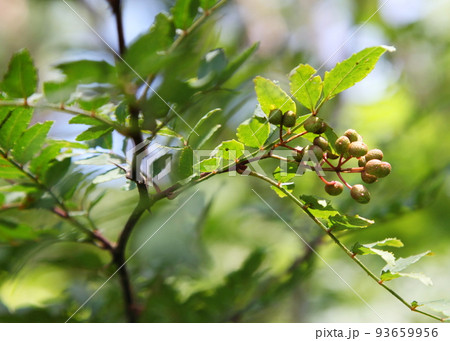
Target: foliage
<point>148,99</point>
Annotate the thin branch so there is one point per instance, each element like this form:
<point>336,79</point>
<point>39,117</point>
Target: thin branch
<point>342,246</point>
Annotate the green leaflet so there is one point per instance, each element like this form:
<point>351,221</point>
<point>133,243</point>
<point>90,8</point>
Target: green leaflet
<point>20,80</point>
<point>211,67</point>
<point>12,128</point>
<point>94,132</point>
<point>271,96</point>
<point>184,12</point>
<point>305,88</point>
<point>335,221</point>
<point>230,150</point>
<point>8,171</point>
<point>83,119</point>
<point>147,54</point>
<point>285,175</point>
<point>203,120</point>
<point>209,134</point>
<point>236,63</point>
<point>254,132</point>
<point>112,174</point>
<point>352,70</point>
<point>288,186</point>
<point>87,72</point>
<point>31,142</point>
<point>186,163</point>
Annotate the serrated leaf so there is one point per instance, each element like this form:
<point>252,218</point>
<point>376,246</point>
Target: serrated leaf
<point>254,132</point>
<point>170,133</point>
<point>346,222</point>
<point>184,12</point>
<point>147,54</point>
<point>271,96</point>
<point>87,72</point>
<point>304,87</point>
<point>393,242</point>
<point>87,120</point>
<point>352,70</point>
<point>94,133</point>
<point>389,276</point>
<point>8,171</point>
<point>403,263</point>
<point>20,80</point>
<point>186,163</point>
<point>288,186</point>
<point>236,63</point>
<point>113,174</point>
<point>230,150</point>
<point>31,142</point>
<point>13,127</point>
<point>203,120</point>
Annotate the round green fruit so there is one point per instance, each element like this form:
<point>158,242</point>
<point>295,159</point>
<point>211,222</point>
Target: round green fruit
<point>352,135</point>
<point>360,194</point>
<point>367,178</point>
<point>378,168</point>
<point>334,188</point>
<point>341,145</point>
<point>332,156</point>
<point>318,152</point>
<point>313,124</point>
<point>321,142</point>
<point>289,119</point>
<point>275,116</point>
<point>374,154</point>
<point>357,149</point>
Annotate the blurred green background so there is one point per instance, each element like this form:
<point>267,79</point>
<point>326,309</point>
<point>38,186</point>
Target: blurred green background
<point>402,108</point>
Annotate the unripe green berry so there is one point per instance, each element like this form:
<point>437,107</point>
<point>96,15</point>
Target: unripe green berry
<point>341,145</point>
<point>275,116</point>
<point>360,194</point>
<point>374,154</point>
<point>321,142</point>
<point>362,161</point>
<point>313,124</point>
<point>289,118</point>
<point>378,168</point>
<point>318,152</point>
<point>322,129</point>
<point>334,188</point>
<point>352,135</point>
<point>357,149</point>
<point>367,178</point>
<point>298,155</point>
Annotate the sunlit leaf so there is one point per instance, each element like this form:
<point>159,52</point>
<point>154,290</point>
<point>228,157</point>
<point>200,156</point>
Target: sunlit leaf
<point>352,70</point>
<point>254,132</point>
<point>20,80</point>
<point>31,142</point>
<point>305,88</point>
<point>271,96</point>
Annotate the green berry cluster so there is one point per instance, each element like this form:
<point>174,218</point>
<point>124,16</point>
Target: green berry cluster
<point>287,119</point>
<point>346,147</point>
<point>371,167</point>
